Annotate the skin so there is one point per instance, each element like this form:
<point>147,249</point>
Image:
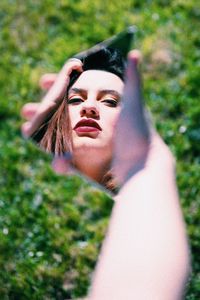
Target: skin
<point>94,96</point>
<point>145,254</point>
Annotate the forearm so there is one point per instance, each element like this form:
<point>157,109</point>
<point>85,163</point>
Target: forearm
<point>145,255</point>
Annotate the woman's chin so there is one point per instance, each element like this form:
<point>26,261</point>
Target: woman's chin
<point>90,146</point>
<point>86,142</point>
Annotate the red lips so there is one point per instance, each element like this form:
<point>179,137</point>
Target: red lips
<point>87,125</point>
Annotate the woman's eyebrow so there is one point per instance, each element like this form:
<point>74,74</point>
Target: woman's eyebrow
<point>101,93</point>
<point>111,92</point>
<point>77,91</point>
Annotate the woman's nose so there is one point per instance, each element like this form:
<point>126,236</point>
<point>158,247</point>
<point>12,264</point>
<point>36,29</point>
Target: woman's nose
<point>90,111</point>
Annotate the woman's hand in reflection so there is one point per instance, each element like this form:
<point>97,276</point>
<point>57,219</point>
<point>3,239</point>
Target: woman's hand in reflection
<point>55,84</point>
<point>47,80</point>
<point>45,83</point>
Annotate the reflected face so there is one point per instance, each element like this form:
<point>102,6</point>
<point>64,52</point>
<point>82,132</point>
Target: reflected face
<point>94,106</point>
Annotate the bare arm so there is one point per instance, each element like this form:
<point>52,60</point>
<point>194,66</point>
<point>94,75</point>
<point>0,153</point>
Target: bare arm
<point>145,254</point>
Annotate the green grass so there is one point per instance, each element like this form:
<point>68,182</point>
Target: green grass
<point>51,227</point>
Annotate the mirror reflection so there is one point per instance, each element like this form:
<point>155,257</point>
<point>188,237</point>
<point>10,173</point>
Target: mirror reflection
<point>79,112</point>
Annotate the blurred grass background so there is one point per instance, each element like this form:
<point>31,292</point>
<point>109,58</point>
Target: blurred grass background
<point>51,227</point>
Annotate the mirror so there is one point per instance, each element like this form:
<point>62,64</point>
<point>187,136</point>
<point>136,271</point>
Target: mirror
<point>122,42</point>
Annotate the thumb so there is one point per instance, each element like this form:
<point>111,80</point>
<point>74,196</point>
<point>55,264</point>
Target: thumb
<point>133,98</point>
<point>133,79</point>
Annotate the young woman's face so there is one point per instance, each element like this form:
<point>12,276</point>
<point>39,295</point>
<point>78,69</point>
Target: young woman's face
<point>93,107</point>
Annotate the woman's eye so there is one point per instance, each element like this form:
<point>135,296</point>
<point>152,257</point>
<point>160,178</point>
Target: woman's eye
<point>74,100</point>
<point>110,102</point>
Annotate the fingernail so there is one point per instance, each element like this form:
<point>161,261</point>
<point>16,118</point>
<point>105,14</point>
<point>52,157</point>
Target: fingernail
<point>134,56</point>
